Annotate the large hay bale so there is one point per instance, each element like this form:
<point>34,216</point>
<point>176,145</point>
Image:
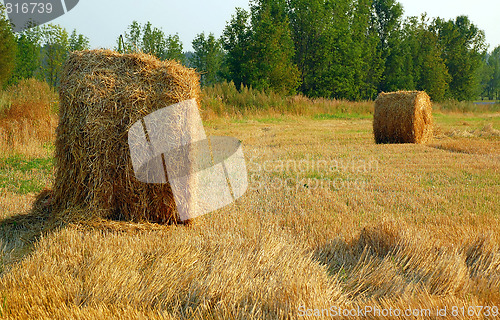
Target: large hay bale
<point>102,94</point>
<point>403,117</point>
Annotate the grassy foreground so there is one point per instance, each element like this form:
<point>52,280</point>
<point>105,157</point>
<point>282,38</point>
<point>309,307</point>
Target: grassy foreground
<point>331,223</point>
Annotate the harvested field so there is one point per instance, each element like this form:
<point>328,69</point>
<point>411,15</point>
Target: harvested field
<point>331,220</point>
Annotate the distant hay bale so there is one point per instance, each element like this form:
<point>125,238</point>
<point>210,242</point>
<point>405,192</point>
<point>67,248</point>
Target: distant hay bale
<point>403,117</point>
<point>102,94</point>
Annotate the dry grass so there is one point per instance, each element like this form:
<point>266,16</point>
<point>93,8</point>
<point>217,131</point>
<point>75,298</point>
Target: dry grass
<point>463,145</point>
<point>467,140</point>
<point>486,131</point>
<point>404,226</point>
<point>27,117</point>
<point>225,100</point>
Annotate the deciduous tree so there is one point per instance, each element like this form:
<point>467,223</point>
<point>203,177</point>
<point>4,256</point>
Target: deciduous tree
<point>272,49</point>
<point>173,48</point>
<point>207,58</point>
<point>78,42</point>
<point>237,43</point>
<point>54,52</point>
<point>463,46</point>
<point>493,83</point>
<point>7,48</point>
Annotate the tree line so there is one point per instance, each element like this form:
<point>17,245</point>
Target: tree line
<point>38,52</point>
<point>354,49</point>
<point>344,49</point>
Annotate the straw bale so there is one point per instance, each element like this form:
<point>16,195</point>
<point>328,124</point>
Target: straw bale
<point>102,94</point>
<point>403,117</point>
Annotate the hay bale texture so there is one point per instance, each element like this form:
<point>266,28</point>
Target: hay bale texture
<point>403,117</point>
<point>102,94</point>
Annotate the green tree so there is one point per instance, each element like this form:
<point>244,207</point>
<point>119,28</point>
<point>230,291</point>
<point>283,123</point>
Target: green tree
<point>54,52</point>
<point>338,45</point>
<point>131,39</point>
<point>7,48</point>
<point>42,51</point>
<point>485,74</point>
<point>320,31</point>
<point>272,49</point>
<point>173,48</point>
<point>153,41</point>
<point>150,40</point>
<point>425,68</point>
<point>207,58</point>
<point>351,49</point>
<point>387,20</point>
<point>434,76</point>
<point>399,71</point>
<point>493,83</point>
<point>463,48</point>
<point>237,43</point>
<point>28,57</point>
<point>78,42</point>
<point>364,57</point>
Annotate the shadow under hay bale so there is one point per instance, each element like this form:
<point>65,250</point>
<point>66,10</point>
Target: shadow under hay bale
<point>102,94</point>
<point>403,117</point>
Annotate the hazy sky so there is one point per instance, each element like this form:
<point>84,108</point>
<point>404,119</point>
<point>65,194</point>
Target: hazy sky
<point>104,20</point>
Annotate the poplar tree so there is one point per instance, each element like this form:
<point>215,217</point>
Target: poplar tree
<point>463,47</point>
<point>207,58</point>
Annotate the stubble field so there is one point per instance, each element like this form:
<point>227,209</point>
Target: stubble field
<point>331,224</point>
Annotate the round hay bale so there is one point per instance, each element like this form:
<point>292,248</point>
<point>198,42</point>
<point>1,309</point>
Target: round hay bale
<point>102,94</point>
<point>403,117</point>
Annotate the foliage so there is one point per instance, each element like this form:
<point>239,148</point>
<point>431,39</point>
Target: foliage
<point>78,42</point>
<point>207,58</point>
<point>7,48</point>
<point>42,50</point>
<point>340,49</point>
<point>28,58</point>
<point>353,49</point>
<point>490,75</point>
<point>272,48</point>
<point>55,52</point>
<point>131,42</point>
<point>237,40</point>
<point>363,54</point>
<point>425,69</point>
<point>151,40</point>
<point>463,47</point>
<point>260,48</point>
<point>494,83</point>
<point>173,48</point>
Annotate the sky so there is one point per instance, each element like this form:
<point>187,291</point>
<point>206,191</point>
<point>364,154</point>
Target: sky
<point>102,21</point>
